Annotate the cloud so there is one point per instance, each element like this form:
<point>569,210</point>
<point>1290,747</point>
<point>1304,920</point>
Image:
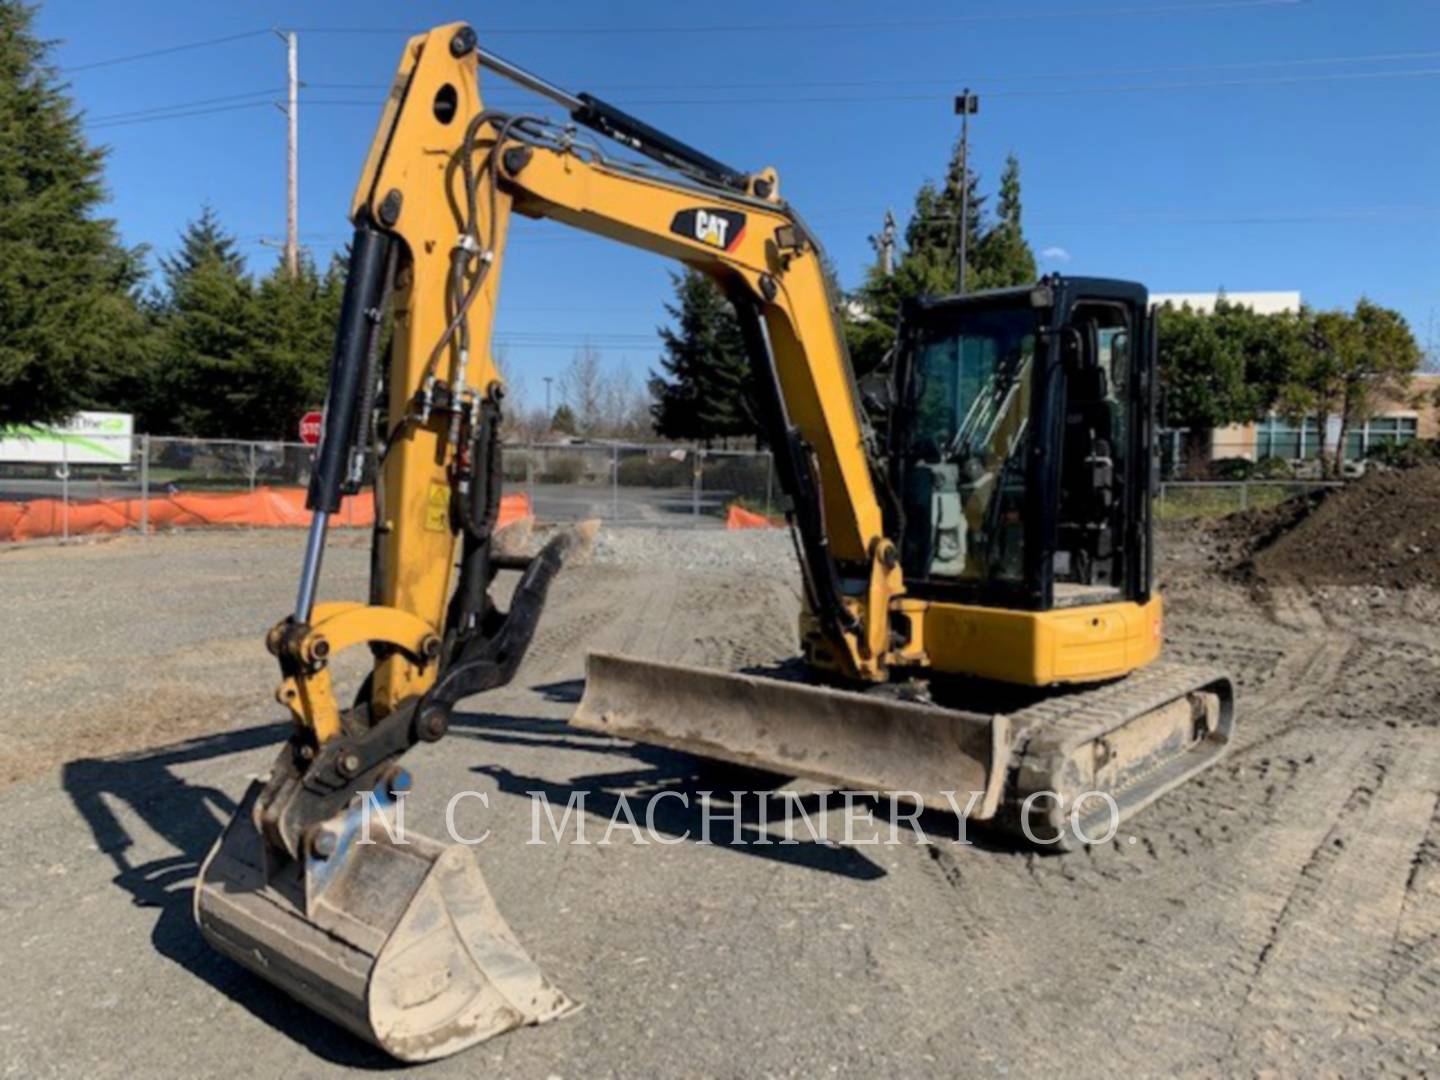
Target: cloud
<point>1055,254</point>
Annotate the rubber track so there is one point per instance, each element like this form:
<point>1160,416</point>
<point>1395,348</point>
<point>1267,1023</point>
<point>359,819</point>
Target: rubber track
<point>1046,731</point>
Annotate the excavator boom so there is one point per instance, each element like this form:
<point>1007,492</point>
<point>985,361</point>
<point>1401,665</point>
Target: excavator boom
<point>990,524</point>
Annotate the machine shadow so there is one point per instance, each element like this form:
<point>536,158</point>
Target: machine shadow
<point>665,771</point>
<point>189,817</point>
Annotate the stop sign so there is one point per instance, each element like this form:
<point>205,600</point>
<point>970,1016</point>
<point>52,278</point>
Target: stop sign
<point>310,425</point>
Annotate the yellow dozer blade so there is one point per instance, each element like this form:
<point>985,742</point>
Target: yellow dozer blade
<point>1057,773</point>
<point>401,943</point>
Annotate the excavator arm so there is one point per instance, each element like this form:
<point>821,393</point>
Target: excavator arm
<point>441,183</point>
<point>445,177</point>
<point>432,212</point>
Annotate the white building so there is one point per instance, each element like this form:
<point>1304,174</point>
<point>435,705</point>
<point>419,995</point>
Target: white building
<point>1262,303</point>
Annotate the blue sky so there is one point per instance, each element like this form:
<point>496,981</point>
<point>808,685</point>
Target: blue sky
<point>1188,144</point>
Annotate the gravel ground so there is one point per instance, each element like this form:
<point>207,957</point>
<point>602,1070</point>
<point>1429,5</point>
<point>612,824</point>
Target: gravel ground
<point>1281,915</point>
<point>768,551</point>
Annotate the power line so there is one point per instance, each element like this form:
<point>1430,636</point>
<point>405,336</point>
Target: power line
<point>1182,217</point>
<point>196,107</point>
<point>1091,73</point>
<point>169,50</point>
<point>1212,84</point>
<point>1201,7</point>
<point>1033,76</point>
<point>891,24</point>
<point>1281,80</point>
<point>179,115</point>
<point>168,112</point>
<point>893,99</point>
<point>197,103</point>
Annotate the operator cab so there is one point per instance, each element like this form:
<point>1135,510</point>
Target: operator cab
<point>1021,449</point>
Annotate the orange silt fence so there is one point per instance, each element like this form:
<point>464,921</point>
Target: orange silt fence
<point>263,508</point>
<point>737,517</point>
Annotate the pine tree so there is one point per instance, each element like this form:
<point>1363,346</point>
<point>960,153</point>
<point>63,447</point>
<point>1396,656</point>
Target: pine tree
<point>201,380</point>
<point>282,371</point>
<point>1002,257</point>
<point>929,263</point>
<point>71,333</point>
<point>703,393</point>
<point>564,421</point>
<point>203,241</point>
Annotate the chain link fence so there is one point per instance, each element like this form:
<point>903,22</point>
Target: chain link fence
<point>144,484</point>
<point>636,484</point>
<point>1183,500</point>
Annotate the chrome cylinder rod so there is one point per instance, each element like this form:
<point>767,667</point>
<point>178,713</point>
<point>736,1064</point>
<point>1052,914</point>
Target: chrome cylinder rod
<point>310,571</point>
<point>521,77</point>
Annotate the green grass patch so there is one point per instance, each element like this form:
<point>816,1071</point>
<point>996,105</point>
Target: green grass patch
<point>1183,503</point>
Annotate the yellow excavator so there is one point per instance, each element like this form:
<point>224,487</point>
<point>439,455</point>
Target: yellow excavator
<point>972,523</point>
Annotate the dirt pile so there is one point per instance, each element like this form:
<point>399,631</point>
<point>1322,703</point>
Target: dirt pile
<point>1383,530</point>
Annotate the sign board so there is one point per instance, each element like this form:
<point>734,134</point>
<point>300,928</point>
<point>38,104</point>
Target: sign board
<point>87,438</point>
<point>311,424</point>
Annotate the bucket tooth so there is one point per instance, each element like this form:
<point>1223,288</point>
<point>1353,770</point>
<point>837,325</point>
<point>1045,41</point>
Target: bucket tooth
<point>399,942</point>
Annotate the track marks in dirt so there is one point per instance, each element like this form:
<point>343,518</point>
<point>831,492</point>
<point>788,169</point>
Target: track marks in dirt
<point>1411,984</point>
<point>743,624</point>
<point>1328,958</point>
<point>704,620</point>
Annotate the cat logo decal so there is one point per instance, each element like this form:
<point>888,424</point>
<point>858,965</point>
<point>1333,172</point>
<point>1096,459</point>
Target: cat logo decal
<point>710,226</point>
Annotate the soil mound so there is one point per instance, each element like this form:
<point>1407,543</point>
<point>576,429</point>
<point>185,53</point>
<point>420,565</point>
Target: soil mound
<point>1383,529</point>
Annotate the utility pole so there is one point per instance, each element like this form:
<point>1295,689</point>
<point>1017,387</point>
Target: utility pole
<point>966,104</point>
<point>548,414</point>
<point>884,244</point>
<point>292,157</point>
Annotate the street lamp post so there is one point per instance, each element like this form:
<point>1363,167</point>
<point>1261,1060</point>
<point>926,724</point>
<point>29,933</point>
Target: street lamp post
<point>966,104</point>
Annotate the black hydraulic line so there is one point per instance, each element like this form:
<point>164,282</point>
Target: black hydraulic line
<point>654,143</point>
<point>369,376</point>
<point>799,477</point>
<point>359,314</point>
<point>619,125</point>
<point>476,512</point>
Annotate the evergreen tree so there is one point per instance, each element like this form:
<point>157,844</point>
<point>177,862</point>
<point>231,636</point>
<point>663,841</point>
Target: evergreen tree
<point>201,379</point>
<point>71,333</point>
<point>1002,257</point>
<point>703,393</point>
<point>564,421</point>
<point>203,241</point>
<point>929,263</point>
<point>282,370</point>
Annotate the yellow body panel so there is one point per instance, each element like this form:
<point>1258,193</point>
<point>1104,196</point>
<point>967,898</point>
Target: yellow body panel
<point>414,154</point>
<point>1037,648</point>
<point>413,186</point>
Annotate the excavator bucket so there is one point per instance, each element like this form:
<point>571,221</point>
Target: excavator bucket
<point>396,939</point>
<point>861,741</point>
